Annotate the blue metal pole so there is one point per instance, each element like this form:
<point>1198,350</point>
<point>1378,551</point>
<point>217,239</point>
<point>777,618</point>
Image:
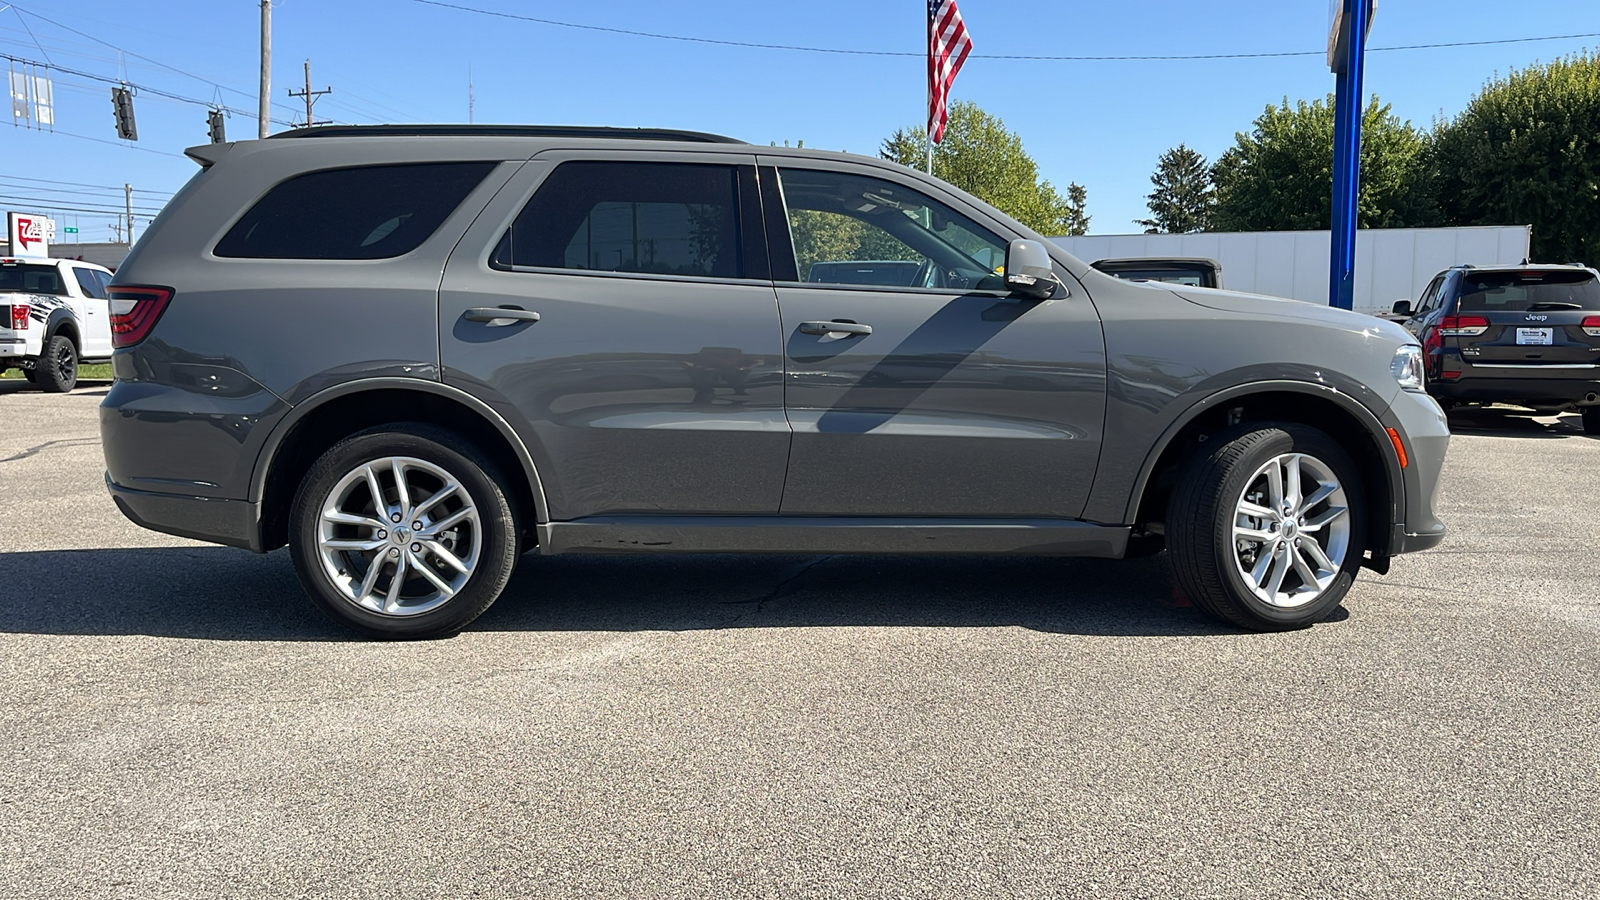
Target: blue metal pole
<point>1348,104</point>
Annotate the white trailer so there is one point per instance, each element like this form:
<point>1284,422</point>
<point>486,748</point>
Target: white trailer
<point>1391,263</point>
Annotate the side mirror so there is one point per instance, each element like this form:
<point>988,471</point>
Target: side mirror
<point>1402,308</point>
<point>1028,270</point>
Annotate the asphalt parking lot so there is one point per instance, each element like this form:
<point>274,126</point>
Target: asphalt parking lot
<point>177,720</point>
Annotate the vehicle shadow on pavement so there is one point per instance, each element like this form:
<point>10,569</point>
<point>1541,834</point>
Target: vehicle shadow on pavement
<point>1500,421</point>
<point>218,593</point>
<point>87,387</point>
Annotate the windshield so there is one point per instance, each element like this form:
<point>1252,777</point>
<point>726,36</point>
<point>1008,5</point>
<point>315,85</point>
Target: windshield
<point>29,278</point>
<point>1520,291</point>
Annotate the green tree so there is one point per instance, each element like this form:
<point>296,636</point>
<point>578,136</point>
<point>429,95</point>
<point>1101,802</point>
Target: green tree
<point>1184,195</point>
<point>982,158</point>
<point>1279,176</point>
<point>1526,151</point>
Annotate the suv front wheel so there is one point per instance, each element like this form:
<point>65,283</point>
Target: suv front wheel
<point>403,531</point>
<point>1267,526</point>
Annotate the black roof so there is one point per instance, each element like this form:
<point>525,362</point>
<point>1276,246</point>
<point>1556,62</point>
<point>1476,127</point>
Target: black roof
<point>556,131</point>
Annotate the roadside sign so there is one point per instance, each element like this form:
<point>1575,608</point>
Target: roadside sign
<point>69,230</point>
<point>30,234</point>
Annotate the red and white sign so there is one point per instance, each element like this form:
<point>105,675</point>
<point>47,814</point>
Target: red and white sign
<point>29,234</point>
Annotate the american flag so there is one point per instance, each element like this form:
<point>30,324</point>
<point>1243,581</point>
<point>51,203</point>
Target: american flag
<point>948,46</point>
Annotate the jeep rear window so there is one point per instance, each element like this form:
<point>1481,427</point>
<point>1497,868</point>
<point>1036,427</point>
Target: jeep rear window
<point>1521,291</point>
<point>368,212</point>
<point>31,279</point>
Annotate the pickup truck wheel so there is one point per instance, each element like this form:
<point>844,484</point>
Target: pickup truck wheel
<point>1591,420</point>
<point>402,531</point>
<point>1267,526</point>
<point>57,372</point>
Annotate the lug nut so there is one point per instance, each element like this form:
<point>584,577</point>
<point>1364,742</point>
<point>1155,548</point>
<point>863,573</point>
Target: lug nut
<point>382,534</point>
<point>416,526</point>
<point>394,552</point>
<point>395,517</point>
<point>416,548</point>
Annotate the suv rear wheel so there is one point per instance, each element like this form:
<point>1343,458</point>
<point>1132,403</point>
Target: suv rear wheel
<point>402,531</point>
<point>57,372</point>
<point>1267,526</point>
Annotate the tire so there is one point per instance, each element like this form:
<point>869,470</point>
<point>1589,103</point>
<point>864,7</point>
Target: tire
<point>58,365</point>
<point>335,560</point>
<point>1591,420</point>
<point>1224,573</point>
<point>32,375</point>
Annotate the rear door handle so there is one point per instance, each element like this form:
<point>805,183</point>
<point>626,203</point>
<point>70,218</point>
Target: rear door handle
<point>838,326</point>
<point>499,316</point>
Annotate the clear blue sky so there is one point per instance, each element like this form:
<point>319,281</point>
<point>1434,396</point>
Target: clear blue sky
<point>1102,124</point>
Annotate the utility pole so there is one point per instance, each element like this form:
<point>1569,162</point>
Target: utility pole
<point>127,201</point>
<point>310,97</point>
<point>469,93</point>
<point>266,67</point>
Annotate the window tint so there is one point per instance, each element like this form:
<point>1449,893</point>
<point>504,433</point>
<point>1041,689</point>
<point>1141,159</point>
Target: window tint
<point>1430,296</point>
<point>92,286</point>
<point>850,229</point>
<point>647,218</point>
<point>31,279</point>
<point>371,212</point>
<point>1519,291</point>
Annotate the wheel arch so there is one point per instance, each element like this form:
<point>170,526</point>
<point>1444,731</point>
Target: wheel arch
<point>62,321</point>
<point>323,419</point>
<point>1342,417</point>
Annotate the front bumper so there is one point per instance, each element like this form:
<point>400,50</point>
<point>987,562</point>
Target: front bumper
<point>1425,433</point>
<point>217,521</point>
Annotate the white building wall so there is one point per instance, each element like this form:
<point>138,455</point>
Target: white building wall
<point>1391,263</point>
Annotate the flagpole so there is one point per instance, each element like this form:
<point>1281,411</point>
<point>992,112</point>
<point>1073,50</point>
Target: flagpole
<point>928,109</point>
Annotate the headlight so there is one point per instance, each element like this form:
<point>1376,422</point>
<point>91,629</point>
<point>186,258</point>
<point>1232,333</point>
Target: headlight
<point>1407,367</point>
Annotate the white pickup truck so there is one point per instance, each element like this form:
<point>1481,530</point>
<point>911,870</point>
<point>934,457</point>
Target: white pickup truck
<point>53,315</point>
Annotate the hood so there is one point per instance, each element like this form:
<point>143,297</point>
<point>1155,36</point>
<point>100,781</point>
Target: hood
<point>1262,305</point>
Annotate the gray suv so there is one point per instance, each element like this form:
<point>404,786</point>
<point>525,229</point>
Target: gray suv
<point>414,354</point>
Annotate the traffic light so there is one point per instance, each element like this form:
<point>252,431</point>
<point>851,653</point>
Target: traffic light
<point>215,128</point>
<point>122,105</point>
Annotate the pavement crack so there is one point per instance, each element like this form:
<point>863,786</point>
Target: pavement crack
<point>34,451</point>
<point>788,584</point>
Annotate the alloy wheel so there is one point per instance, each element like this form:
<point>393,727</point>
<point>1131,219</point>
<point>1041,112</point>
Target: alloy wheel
<point>1291,530</point>
<point>398,536</point>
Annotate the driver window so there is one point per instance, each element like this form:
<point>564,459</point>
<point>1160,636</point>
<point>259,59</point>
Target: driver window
<point>849,229</point>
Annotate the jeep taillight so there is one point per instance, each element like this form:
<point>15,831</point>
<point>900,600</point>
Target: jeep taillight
<point>134,311</point>
<point>19,316</point>
<point>1591,326</point>
<point>1463,326</point>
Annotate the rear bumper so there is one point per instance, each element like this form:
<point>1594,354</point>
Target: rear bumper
<point>1537,389</point>
<point>216,521</point>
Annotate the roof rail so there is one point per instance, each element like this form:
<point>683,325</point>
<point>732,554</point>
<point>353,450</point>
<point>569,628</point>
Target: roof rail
<point>555,131</point>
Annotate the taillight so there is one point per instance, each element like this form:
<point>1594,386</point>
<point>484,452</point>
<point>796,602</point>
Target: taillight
<point>134,311</point>
<point>19,316</point>
<point>1463,326</point>
<point>1591,326</point>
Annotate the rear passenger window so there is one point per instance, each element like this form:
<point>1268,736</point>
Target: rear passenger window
<point>91,285</point>
<point>647,218</point>
<point>370,212</point>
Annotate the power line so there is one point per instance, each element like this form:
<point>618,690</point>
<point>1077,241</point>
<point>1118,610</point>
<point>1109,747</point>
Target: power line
<point>155,62</point>
<point>120,82</point>
<point>901,53</point>
<point>107,187</point>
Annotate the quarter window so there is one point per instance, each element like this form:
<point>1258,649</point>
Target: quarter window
<point>851,229</point>
<point>644,218</point>
<point>367,212</point>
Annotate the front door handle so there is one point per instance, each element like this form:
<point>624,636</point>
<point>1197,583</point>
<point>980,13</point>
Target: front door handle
<point>499,316</point>
<point>837,326</point>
